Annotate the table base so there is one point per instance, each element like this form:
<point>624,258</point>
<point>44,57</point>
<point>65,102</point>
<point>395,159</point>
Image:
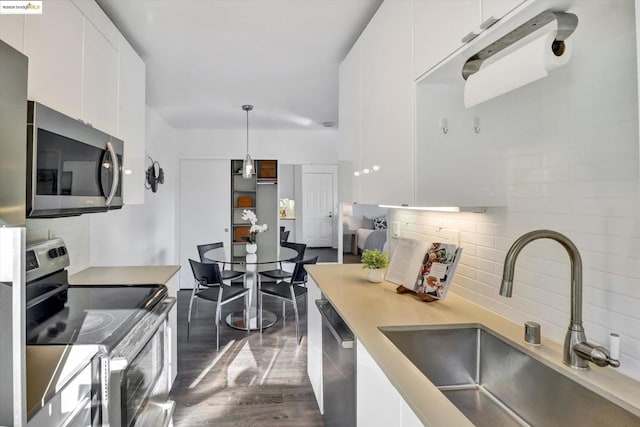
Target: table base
<point>237,320</point>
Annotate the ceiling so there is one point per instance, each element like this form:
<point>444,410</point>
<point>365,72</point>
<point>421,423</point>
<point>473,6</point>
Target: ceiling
<point>205,58</point>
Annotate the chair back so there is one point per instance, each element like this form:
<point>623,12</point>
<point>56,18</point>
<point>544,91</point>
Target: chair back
<point>298,247</point>
<point>284,236</point>
<point>208,274</point>
<point>299,273</point>
<point>203,249</point>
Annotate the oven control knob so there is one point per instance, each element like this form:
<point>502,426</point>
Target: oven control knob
<point>53,253</point>
<point>62,251</point>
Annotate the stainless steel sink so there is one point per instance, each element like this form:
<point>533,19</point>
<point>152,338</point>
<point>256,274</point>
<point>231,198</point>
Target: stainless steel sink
<point>496,384</point>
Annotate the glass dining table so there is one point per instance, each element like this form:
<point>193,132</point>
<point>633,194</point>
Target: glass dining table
<point>264,259</point>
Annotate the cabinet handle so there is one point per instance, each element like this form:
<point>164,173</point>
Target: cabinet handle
<point>469,37</point>
<point>489,22</point>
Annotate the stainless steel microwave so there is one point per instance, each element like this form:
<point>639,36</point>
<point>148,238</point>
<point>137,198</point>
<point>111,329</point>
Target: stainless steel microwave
<point>72,168</point>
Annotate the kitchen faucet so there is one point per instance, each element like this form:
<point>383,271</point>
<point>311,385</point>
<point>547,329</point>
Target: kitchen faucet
<point>577,352</point>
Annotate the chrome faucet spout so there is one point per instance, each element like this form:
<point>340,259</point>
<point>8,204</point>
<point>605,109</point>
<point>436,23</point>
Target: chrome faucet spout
<point>577,351</point>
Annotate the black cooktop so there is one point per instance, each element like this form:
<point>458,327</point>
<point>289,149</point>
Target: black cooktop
<point>95,314</point>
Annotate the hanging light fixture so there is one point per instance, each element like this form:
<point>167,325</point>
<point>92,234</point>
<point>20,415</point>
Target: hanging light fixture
<point>247,165</point>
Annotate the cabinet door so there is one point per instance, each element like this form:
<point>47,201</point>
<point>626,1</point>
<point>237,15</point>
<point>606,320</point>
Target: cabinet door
<point>53,43</point>
<point>439,26</point>
<point>12,31</point>
<point>378,403</point>
<point>314,342</point>
<point>131,121</point>
<point>387,106</point>
<point>350,118</point>
<point>497,8</point>
<point>100,81</point>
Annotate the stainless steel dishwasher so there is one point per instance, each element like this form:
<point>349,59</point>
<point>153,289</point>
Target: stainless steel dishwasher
<point>338,368</point>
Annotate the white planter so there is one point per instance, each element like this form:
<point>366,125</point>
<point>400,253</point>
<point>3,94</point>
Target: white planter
<point>375,275</point>
<point>251,248</point>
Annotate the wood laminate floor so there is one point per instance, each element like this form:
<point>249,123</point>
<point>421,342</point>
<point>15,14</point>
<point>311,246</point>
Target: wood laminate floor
<point>251,381</point>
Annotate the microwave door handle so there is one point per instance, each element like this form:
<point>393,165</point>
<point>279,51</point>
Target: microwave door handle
<point>116,176</point>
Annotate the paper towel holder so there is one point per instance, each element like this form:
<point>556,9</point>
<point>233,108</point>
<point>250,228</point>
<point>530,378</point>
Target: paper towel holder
<point>567,23</point>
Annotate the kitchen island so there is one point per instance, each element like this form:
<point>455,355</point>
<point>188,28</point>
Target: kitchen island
<point>366,306</point>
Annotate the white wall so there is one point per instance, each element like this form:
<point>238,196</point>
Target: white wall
<point>573,167</point>
<point>142,234</point>
<point>288,146</point>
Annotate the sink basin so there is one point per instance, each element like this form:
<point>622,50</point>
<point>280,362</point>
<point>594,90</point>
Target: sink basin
<point>494,383</point>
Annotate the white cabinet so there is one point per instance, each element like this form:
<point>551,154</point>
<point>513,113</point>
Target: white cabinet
<point>459,167</point>
<point>100,80</point>
<point>497,8</point>
<point>131,121</point>
<point>378,403</point>
<point>12,31</point>
<point>376,109</point>
<point>387,89</point>
<point>53,43</point>
<point>314,341</point>
<point>350,122</point>
<point>439,26</point>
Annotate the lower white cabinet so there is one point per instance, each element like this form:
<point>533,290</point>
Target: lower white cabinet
<point>378,402</point>
<point>314,341</point>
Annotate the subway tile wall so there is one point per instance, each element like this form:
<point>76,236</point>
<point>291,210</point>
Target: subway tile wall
<point>573,167</point>
<point>73,230</point>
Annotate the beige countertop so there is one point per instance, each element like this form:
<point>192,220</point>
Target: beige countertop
<point>136,275</point>
<point>364,306</point>
<point>50,367</point>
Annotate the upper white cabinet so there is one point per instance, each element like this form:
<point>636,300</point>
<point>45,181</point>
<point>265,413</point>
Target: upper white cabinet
<point>442,26</point>
<point>100,81</point>
<point>350,122</point>
<point>12,31</point>
<point>131,121</point>
<point>53,43</point>
<point>387,93</point>
<point>439,27</point>
<point>376,108</point>
<point>497,8</point>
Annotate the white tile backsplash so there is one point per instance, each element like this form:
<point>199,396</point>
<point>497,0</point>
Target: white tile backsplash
<point>574,167</point>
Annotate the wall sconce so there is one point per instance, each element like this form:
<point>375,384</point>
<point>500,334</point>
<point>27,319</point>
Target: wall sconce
<point>444,125</point>
<point>155,176</point>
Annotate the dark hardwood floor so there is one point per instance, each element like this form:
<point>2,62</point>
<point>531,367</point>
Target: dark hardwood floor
<point>251,381</point>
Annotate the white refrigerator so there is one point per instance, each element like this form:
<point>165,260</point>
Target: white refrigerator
<point>13,174</point>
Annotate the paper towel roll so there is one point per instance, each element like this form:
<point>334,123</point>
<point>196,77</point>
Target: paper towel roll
<point>527,64</point>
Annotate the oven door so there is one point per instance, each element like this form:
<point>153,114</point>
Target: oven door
<point>139,378</point>
<point>73,168</point>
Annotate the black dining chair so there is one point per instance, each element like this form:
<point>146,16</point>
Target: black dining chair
<point>284,236</point>
<point>281,273</point>
<point>226,274</point>
<point>209,286</point>
<point>287,291</point>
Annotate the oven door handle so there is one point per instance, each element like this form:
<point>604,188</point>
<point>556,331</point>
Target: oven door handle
<point>117,364</point>
<point>115,181</point>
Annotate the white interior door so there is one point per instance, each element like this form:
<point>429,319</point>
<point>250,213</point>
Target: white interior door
<point>318,209</point>
<point>205,206</point>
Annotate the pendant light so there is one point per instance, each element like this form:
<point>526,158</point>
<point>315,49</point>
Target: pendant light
<point>247,165</point>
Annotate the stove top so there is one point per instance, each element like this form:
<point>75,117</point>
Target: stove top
<point>95,315</point>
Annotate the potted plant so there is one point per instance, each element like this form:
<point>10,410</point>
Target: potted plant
<point>375,262</point>
<point>250,216</point>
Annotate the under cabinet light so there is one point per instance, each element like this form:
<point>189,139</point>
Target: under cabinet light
<point>437,208</point>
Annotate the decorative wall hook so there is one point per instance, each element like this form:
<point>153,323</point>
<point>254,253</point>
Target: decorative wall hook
<point>476,124</point>
<point>444,125</point>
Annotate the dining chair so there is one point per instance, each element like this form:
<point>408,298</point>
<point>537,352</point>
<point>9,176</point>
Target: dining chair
<point>281,273</point>
<point>209,286</point>
<point>287,291</point>
<point>284,236</point>
<point>226,274</point>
